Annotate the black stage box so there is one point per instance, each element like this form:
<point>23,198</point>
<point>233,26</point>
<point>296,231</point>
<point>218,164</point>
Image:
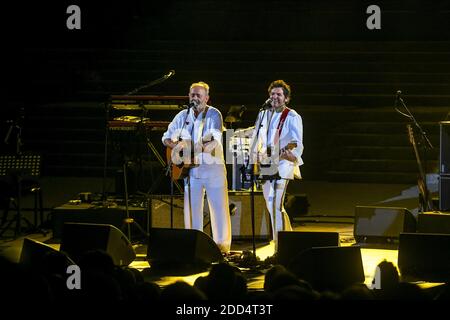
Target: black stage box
<point>88,213</point>
<point>434,222</point>
<point>157,215</point>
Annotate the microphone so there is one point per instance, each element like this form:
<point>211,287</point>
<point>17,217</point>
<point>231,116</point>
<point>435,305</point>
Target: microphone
<point>398,96</point>
<point>170,74</point>
<point>193,104</point>
<point>267,104</point>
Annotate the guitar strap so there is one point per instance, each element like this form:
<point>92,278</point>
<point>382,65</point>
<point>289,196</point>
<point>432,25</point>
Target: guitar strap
<point>201,126</point>
<point>276,177</point>
<point>280,124</point>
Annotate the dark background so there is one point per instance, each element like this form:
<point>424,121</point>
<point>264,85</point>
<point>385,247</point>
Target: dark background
<point>59,81</point>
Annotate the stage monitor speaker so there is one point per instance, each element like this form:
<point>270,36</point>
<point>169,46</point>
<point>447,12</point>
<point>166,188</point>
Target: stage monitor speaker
<point>444,192</point>
<point>433,222</point>
<point>296,205</point>
<point>78,238</point>
<point>34,254</point>
<point>329,268</point>
<point>292,243</point>
<point>444,155</point>
<point>181,248</point>
<point>424,256</point>
<point>382,224</point>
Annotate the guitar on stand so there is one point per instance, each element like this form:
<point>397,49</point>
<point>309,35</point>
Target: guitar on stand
<point>425,202</point>
<point>424,194</point>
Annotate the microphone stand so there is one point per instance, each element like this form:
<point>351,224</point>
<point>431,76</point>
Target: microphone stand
<point>105,153</point>
<point>411,116</point>
<point>129,220</point>
<point>169,171</point>
<point>424,137</point>
<point>151,83</point>
<point>254,259</point>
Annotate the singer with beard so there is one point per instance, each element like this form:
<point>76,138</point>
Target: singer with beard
<point>199,128</point>
<point>276,150</point>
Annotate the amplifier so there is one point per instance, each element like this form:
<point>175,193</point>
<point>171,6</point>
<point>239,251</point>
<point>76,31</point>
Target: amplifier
<point>239,208</point>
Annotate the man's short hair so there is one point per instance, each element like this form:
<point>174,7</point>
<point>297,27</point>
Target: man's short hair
<point>281,84</point>
<point>201,84</point>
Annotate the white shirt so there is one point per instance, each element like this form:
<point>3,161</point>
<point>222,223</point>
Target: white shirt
<point>292,131</point>
<point>209,165</point>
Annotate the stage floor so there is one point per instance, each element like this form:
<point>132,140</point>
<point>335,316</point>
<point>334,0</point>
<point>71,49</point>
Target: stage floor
<point>255,279</point>
<point>332,209</point>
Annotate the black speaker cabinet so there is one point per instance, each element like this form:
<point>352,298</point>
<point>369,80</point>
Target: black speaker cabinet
<point>181,248</point>
<point>444,192</point>
<point>382,224</point>
<point>433,222</point>
<point>292,243</point>
<point>444,154</point>
<point>296,205</point>
<point>330,268</point>
<point>444,166</point>
<point>77,238</point>
<point>424,256</point>
<point>86,213</point>
<point>239,209</point>
<point>34,254</point>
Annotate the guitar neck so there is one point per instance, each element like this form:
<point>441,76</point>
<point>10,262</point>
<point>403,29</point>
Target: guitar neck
<point>422,181</point>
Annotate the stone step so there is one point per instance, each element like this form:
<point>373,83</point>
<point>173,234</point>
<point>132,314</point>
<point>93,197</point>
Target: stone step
<point>372,177</point>
<point>431,128</point>
<point>400,153</point>
<point>377,139</point>
<point>382,165</point>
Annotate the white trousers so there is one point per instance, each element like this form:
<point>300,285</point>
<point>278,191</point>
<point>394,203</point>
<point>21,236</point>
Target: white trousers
<point>281,221</point>
<point>216,189</point>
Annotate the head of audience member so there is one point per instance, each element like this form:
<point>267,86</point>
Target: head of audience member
<point>181,291</point>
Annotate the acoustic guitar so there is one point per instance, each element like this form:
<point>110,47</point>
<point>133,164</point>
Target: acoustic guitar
<point>181,170</point>
<point>257,167</point>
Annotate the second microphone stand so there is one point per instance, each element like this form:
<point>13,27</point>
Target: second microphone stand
<point>426,143</point>
<point>253,260</point>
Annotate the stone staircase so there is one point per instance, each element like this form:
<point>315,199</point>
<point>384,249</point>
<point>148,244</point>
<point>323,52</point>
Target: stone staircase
<point>345,92</point>
<point>373,145</point>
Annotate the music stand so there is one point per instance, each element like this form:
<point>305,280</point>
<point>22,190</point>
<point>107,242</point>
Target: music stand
<point>19,168</point>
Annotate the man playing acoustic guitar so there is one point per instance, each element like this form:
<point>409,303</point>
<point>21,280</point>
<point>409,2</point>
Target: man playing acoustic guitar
<point>194,140</point>
<point>276,149</point>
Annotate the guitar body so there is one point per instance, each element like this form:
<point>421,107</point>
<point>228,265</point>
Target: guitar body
<point>179,171</point>
<point>257,166</point>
